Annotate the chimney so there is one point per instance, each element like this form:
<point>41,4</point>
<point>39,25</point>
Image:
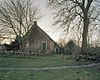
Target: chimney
<point>35,22</point>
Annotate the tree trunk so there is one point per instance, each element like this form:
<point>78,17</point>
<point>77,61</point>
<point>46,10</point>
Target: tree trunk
<point>19,39</point>
<point>85,35</point>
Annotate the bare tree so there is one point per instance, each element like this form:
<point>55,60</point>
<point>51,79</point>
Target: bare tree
<point>18,15</point>
<point>75,14</point>
<point>61,42</point>
<point>92,31</point>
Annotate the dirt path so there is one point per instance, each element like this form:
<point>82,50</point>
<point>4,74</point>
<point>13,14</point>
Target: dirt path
<point>52,68</point>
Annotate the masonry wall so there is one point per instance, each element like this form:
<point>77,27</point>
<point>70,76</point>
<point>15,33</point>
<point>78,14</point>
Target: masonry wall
<point>35,41</point>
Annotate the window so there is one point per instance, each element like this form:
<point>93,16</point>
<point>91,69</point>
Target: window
<point>44,45</point>
<point>27,44</point>
<point>38,44</point>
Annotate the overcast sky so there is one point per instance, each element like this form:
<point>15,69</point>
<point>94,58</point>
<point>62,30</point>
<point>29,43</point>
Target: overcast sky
<point>46,22</point>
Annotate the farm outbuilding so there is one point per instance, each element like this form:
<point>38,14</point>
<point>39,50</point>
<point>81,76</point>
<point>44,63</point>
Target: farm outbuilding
<point>38,41</point>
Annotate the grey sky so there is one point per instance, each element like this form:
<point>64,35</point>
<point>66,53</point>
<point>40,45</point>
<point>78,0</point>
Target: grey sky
<point>46,22</point>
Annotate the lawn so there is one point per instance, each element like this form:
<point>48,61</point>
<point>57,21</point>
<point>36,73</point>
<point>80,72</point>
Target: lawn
<point>45,61</point>
<point>38,61</point>
<point>64,74</point>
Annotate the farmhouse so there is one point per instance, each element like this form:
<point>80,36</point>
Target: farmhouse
<point>37,41</point>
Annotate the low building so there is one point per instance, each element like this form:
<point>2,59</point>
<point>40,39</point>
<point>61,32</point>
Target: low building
<point>37,41</point>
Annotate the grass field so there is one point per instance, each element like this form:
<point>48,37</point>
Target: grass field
<point>45,61</point>
<point>64,74</point>
<point>38,61</point>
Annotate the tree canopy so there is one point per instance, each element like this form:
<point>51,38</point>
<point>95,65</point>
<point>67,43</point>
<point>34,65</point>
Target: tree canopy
<point>18,15</point>
<point>76,14</point>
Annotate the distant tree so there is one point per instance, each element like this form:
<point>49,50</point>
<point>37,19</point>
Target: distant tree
<point>18,15</point>
<point>93,30</point>
<point>72,48</point>
<point>72,14</point>
<point>76,36</point>
<point>61,42</point>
